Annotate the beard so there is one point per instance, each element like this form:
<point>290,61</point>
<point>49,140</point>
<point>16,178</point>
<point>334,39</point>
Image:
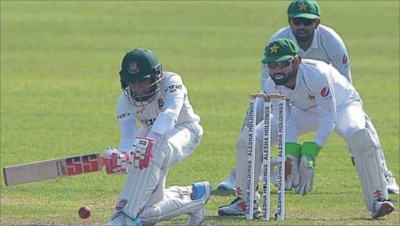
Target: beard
<point>302,36</point>
<point>281,79</point>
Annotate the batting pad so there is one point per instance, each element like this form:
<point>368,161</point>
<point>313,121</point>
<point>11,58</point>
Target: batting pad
<point>365,149</point>
<point>242,164</point>
<point>139,186</point>
<point>176,202</point>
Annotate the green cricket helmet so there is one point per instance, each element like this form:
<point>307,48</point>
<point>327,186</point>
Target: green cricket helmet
<point>138,65</point>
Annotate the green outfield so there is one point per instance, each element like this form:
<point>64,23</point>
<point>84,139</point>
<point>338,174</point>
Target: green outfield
<point>59,85</point>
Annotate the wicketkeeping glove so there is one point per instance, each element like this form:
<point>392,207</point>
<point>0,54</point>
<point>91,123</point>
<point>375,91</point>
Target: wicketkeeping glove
<point>309,151</point>
<point>142,152</point>
<point>292,175</point>
<point>116,162</point>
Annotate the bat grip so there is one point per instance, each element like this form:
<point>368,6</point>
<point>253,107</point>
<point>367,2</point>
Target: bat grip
<point>103,161</point>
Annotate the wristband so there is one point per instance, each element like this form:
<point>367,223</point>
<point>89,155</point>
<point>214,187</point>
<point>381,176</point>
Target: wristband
<point>310,149</point>
<point>292,148</point>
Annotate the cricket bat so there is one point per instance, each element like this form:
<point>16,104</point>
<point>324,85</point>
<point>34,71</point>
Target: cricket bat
<point>55,168</point>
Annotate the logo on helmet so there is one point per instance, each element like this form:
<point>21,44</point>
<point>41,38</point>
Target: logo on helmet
<point>133,67</point>
<point>303,6</point>
<point>274,49</point>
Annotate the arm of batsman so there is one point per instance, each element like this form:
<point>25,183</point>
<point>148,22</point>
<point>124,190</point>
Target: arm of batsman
<point>142,152</point>
<point>116,162</point>
<point>309,152</point>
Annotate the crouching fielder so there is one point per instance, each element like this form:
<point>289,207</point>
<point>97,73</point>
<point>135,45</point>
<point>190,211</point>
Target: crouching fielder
<point>325,102</point>
<point>169,132</point>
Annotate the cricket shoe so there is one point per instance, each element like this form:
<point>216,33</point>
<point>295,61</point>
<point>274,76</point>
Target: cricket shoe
<point>229,183</point>
<point>122,219</point>
<point>391,184</point>
<point>382,208</point>
<point>200,191</point>
<point>237,208</point>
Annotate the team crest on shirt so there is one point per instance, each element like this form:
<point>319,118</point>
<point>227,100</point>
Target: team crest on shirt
<point>325,92</point>
<point>160,104</point>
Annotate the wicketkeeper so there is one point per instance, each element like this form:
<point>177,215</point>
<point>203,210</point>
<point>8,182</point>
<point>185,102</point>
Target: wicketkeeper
<point>315,41</point>
<point>324,101</point>
<point>168,132</point>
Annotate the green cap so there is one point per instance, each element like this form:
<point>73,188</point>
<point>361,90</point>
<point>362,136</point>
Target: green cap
<point>279,50</point>
<point>304,8</point>
<point>138,64</point>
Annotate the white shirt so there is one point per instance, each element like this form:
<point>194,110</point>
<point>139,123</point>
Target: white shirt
<point>326,46</point>
<point>321,90</point>
<point>169,108</point>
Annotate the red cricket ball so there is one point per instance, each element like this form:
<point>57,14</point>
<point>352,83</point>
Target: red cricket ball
<point>84,212</point>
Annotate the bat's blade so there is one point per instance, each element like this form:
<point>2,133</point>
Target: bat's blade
<point>50,169</point>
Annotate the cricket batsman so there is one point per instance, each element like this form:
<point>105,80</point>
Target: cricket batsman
<point>168,131</point>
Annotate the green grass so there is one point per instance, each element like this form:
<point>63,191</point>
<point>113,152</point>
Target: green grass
<point>59,85</point>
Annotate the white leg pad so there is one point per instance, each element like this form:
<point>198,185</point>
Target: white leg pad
<point>176,202</point>
<point>241,163</point>
<point>139,186</point>
<point>365,149</point>
<point>371,127</point>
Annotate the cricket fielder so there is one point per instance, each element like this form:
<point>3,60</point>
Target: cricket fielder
<point>315,41</point>
<point>319,42</point>
<point>324,102</point>
<point>169,131</point>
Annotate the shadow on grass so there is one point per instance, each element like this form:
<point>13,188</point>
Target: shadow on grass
<point>291,192</point>
<point>222,193</point>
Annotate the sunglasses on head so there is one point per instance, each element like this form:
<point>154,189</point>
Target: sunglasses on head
<point>280,64</point>
<point>297,21</point>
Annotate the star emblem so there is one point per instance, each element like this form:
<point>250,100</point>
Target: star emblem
<point>274,49</point>
<point>303,6</point>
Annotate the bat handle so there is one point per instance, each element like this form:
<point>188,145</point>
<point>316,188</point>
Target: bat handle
<point>103,161</point>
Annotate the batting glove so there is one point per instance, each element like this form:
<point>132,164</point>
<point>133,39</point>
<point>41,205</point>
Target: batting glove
<point>309,151</point>
<point>142,152</point>
<point>116,162</point>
